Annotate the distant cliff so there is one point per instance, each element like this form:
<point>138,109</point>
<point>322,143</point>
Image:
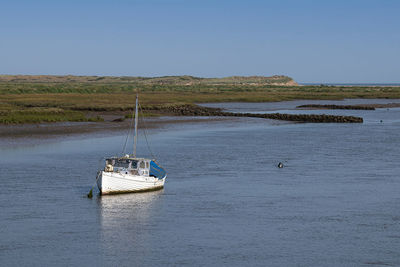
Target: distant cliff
<point>279,80</point>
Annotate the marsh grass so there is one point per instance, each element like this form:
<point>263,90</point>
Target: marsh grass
<point>45,102</point>
<point>38,115</point>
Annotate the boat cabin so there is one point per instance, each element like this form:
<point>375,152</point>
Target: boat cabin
<point>134,166</point>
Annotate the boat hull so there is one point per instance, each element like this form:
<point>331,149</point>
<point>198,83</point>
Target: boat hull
<point>118,183</point>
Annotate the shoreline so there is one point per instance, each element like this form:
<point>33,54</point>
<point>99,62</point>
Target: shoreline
<point>32,134</point>
<point>11,133</point>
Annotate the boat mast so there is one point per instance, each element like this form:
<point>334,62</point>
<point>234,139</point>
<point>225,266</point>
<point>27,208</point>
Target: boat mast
<point>136,126</point>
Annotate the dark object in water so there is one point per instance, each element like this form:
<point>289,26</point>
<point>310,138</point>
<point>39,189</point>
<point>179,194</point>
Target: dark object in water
<point>90,195</point>
<point>280,165</point>
<point>119,119</point>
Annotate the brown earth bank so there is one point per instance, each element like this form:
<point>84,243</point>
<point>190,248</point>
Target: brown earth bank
<point>44,130</point>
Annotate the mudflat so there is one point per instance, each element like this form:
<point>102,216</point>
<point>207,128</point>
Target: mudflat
<point>57,129</point>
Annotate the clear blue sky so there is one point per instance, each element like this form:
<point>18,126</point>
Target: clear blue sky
<point>312,41</point>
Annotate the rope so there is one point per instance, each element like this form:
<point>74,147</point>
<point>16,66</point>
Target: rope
<point>90,194</point>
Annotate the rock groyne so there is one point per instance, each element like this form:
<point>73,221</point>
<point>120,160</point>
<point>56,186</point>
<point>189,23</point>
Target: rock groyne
<point>195,110</point>
<point>312,118</point>
<point>357,107</point>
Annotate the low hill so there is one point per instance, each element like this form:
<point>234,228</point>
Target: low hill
<point>278,80</point>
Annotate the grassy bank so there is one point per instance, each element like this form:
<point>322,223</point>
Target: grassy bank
<point>37,115</point>
<point>29,102</point>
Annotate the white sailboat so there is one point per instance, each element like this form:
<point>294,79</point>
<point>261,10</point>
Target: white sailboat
<point>129,173</point>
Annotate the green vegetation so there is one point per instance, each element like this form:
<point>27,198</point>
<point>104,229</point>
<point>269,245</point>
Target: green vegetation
<point>33,99</point>
<point>147,81</point>
<point>37,115</point>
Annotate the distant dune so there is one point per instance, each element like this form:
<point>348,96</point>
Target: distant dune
<point>165,80</point>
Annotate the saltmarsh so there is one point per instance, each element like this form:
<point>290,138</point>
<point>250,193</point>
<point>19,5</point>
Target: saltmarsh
<point>29,102</point>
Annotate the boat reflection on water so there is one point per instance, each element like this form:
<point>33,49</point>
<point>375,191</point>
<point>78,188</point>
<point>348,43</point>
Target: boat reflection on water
<point>136,214</point>
<point>135,207</point>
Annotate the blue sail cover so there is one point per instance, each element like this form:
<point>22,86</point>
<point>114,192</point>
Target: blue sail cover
<point>156,170</point>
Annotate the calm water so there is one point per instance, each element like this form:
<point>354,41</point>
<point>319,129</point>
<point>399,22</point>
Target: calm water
<point>335,203</point>
<point>354,84</point>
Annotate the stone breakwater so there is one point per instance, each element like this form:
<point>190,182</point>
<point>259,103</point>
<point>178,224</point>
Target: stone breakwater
<point>357,107</point>
<point>194,110</point>
<point>313,118</point>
